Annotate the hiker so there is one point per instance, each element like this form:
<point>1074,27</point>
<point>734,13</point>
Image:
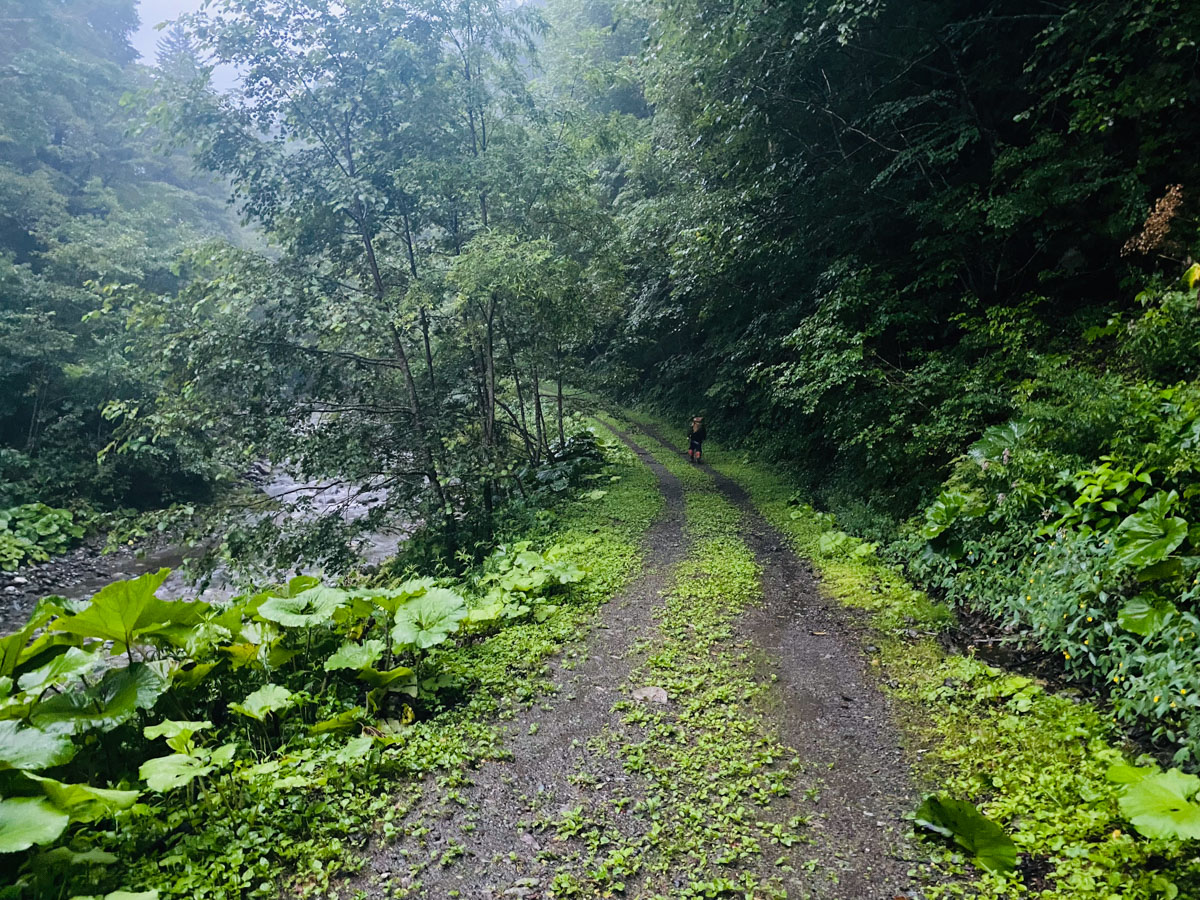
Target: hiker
<point>696,435</point>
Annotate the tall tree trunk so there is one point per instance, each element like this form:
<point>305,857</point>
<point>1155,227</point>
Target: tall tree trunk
<point>562,438</point>
<point>512,361</point>
<point>428,350</point>
<point>428,463</point>
<point>538,418</point>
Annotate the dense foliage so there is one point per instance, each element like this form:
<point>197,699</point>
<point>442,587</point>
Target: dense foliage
<point>84,202</point>
<point>938,257</point>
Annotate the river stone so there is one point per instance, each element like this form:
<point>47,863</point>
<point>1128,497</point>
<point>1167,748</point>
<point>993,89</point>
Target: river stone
<point>650,694</point>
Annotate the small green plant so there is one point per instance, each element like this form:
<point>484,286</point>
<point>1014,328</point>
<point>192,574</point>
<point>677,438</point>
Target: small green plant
<point>34,532</point>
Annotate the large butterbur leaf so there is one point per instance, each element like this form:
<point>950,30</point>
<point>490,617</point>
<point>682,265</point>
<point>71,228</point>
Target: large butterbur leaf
<point>66,667</point>
<point>355,656</point>
<point>14,647</point>
<point>1159,804</point>
<point>1143,617</point>
<point>165,773</point>
<point>962,823</point>
<point>314,606</point>
<point>104,705</point>
<point>270,698</point>
<point>429,619</point>
<point>25,821</point>
<point>82,802</point>
<point>125,611</point>
<point>31,748</point>
<point>391,599</point>
<point>1151,534</point>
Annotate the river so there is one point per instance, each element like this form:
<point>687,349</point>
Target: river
<point>79,573</point>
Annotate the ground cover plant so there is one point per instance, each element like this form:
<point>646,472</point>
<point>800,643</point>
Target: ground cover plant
<point>241,750</point>
<point>33,532</point>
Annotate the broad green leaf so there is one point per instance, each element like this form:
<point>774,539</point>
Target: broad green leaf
<point>267,699</point>
<point>1150,535</point>
<point>400,678</point>
<point>60,857</point>
<point>178,734</point>
<point>165,773</point>
<point>1160,805</point>
<point>75,663</point>
<point>300,584</point>
<point>355,656</point>
<point>1144,618</point>
<point>314,606</point>
<point>355,749</point>
<point>104,705</point>
<point>429,619</point>
<point>1123,773</point>
<point>25,821</point>
<point>391,599</point>
<point>965,825</point>
<point>190,674</point>
<point>13,646</point>
<point>82,802</point>
<point>126,610</point>
<point>341,722</point>
<point>30,748</point>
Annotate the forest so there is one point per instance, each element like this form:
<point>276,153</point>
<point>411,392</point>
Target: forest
<point>348,543</point>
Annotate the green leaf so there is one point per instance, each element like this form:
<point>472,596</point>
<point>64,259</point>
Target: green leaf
<point>1160,805</point>
<point>355,656</point>
<point>126,610</point>
<point>391,599</point>
<point>267,699</point>
<point>30,748</point>
<point>355,749</point>
<point>1144,618</point>
<point>13,646</point>
<point>311,607</point>
<point>400,678</point>
<point>178,734</point>
<point>25,821</point>
<point>165,773</point>
<point>82,802</point>
<point>429,619</point>
<point>75,663</point>
<point>104,705</point>
<point>966,826</point>
<point>1150,535</point>
<point>341,722</point>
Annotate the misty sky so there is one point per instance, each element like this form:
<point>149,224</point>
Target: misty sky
<point>151,12</point>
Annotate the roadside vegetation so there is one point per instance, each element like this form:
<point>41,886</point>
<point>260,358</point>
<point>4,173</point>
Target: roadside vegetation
<point>253,748</point>
<point>1076,815</point>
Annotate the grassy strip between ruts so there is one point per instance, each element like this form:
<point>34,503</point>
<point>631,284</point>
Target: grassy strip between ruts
<point>1033,760</point>
<point>257,838</point>
<point>711,770</point>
